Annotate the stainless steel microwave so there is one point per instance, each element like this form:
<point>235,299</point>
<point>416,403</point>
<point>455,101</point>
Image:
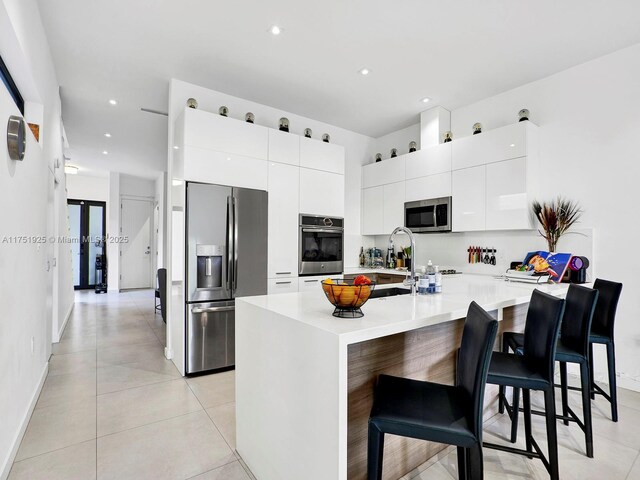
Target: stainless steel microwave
<point>425,216</point>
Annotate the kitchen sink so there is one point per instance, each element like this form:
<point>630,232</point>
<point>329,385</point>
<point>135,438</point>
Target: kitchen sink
<point>389,292</point>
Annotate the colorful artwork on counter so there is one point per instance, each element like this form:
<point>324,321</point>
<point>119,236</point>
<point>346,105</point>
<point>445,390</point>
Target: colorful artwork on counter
<point>554,264</point>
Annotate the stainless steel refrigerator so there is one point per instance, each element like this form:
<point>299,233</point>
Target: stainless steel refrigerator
<point>226,234</point>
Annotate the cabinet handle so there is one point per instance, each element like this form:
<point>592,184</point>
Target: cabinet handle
<point>283,273</point>
<point>310,281</point>
<point>283,283</point>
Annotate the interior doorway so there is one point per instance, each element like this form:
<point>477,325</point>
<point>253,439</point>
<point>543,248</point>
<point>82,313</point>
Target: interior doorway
<point>136,258</point>
<point>87,226</point>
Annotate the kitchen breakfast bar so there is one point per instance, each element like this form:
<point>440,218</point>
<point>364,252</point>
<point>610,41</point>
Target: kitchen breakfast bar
<point>305,379</point>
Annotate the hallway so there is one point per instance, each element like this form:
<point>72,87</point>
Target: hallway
<point>113,407</point>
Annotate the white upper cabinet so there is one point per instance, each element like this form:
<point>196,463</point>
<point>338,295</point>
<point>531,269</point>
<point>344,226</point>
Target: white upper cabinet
<point>208,166</point>
<point>492,145</point>
<point>373,210</point>
<point>507,199</point>
<point>386,171</point>
<point>215,132</point>
<point>284,183</point>
<point>469,192</point>
<point>430,161</point>
<point>284,147</point>
<point>393,211</point>
<point>321,155</point>
<point>424,188</point>
<point>321,193</point>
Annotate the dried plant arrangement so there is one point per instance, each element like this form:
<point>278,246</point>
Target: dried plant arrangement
<point>556,218</point>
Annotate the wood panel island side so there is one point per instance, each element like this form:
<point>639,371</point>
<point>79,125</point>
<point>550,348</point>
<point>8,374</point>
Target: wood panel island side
<point>304,379</point>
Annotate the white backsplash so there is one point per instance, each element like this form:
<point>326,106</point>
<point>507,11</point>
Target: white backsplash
<point>449,250</point>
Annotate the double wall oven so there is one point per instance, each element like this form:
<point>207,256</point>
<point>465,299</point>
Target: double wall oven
<point>321,245</point>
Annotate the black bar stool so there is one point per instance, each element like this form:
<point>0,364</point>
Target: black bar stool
<point>533,370</point>
<point>435,412</point>
<point>572,347</point>
<point>602,333</point>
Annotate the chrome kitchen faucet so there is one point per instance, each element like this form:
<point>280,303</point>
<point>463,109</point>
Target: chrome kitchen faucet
<point>411,282</point>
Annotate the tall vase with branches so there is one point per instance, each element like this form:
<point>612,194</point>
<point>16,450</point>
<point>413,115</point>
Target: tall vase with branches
<point>556,218</point>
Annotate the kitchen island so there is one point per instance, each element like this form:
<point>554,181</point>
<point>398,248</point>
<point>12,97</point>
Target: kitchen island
<point>304,379</point>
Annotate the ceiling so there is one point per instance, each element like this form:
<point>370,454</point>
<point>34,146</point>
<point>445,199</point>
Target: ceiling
<point>452,52</point>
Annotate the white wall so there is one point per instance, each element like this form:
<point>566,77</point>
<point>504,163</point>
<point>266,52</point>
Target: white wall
<point>113,230</point>
<point>399,139</point>
<point>87,187</point>
<point>136,186</point>
<point>35,295</point>
<point>160,197</point>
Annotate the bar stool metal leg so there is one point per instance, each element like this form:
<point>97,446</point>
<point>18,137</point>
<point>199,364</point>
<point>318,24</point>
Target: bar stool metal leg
<point>613,389</point>
<point>586,407</point>
<point>515,408</point>
<point>552,434</point>
<point>526,400</point>
<point>375,454</point>
<point>565,392</point>
<point>591,380</point>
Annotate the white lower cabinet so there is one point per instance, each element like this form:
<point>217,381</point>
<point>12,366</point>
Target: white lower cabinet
<point>282,285</point>
<point>321,193</point>
<point>393,210</point>
<point>507,201</point>
<point>283,220</point>
<point>469,191</point>
<point>308,284</point>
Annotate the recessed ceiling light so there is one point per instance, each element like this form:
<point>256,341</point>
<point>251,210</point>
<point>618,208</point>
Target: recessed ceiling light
<point>113,102</point>
<point>364,71</point>
<point>71,169</point>
<point>104,152</point>
<point>426,100</point>
<point>108,135</point>
<point>512,145</point>
<point>275,30</point>
<point>176,147</point>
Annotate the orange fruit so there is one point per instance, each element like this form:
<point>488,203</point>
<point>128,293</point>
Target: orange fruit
<point>347,296</point>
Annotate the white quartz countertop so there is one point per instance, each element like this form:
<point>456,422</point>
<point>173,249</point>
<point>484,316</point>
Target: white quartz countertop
<point>390,315</point>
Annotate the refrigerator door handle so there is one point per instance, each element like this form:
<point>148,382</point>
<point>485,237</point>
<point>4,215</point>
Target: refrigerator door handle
<point>230,223</point>
<point>197,310</point>
<point>235,244</point>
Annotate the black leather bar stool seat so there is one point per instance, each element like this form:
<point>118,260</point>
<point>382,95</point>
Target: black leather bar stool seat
<point>435,412</point>
<point>533,370</point>
<point>571,347</point>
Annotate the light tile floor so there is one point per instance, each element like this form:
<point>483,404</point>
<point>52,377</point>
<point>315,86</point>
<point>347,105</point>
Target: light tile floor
<point>113,407</point>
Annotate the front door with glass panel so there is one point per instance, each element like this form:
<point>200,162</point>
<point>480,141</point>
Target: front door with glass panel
<point>86,230</point>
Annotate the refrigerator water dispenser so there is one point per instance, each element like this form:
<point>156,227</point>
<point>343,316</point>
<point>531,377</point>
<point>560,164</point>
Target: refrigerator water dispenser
<point>210,259</point>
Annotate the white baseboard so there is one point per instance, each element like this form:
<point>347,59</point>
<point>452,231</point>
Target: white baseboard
<point>168,353</point>
<point>629,383</point>
<point>66,319</point>
<point>8,461</point>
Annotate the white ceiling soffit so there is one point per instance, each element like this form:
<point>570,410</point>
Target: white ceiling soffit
<point>452,52</point>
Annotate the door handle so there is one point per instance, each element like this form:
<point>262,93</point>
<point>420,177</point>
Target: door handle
<point>229,243</point>
<point>235,243</point>
<point>198,310</point>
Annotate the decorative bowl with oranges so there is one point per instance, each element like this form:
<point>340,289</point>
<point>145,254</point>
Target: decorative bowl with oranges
<point>348,297</point>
